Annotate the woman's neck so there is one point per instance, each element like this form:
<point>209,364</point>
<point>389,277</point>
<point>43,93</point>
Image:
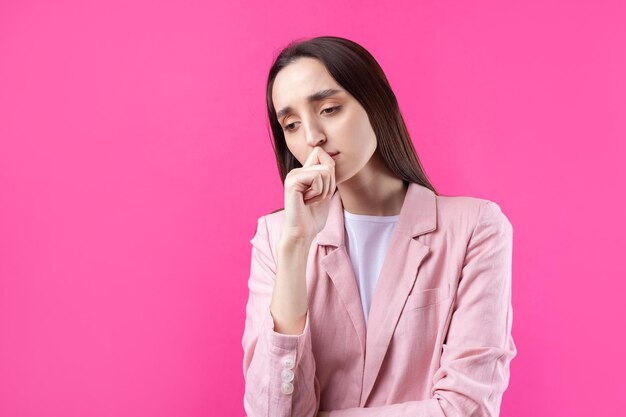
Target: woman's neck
<point>375,191</point>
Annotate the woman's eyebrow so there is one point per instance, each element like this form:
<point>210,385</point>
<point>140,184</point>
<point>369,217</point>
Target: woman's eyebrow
<point>320,95</point>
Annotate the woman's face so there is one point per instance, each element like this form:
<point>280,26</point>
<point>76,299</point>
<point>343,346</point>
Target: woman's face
<point>336,121</point>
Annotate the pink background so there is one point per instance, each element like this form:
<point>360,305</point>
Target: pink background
<point>135,160</point>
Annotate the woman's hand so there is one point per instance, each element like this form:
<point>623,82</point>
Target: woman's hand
<point>308,191</point>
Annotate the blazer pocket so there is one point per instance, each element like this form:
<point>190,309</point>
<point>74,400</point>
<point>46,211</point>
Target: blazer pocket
<point>422,298</point>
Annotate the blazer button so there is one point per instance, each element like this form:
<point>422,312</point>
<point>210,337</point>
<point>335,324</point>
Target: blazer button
<point>286,388</point>
<point>288,362</point>
<point>287,375</point>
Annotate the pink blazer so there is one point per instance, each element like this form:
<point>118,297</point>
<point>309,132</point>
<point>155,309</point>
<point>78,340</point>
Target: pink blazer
<point>438,341</point>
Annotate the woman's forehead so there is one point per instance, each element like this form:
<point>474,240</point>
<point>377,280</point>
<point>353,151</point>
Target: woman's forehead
<point>301,79</point>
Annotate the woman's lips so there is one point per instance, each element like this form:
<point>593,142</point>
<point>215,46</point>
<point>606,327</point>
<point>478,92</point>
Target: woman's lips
<point>334,155</point>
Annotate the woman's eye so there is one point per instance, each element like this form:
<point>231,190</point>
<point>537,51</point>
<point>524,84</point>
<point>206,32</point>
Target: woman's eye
<point>331,108</point>
<point>334,109</point>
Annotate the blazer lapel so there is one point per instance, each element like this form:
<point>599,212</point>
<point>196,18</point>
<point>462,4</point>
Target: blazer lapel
<point>338,265</point>
<point>397,276</point>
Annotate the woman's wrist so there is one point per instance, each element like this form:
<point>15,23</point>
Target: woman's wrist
<point>294,243</point>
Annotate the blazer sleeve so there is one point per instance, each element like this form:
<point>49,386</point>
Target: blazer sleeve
<point>478,348</point>
<point>279,369</point>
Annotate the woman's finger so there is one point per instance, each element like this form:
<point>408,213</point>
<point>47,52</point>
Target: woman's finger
<point>317,187</point>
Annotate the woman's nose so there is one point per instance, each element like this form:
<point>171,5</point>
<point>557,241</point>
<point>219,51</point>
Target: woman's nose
<point>314,135</point>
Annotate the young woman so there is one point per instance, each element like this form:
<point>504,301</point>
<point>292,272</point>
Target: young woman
<point>370,294</point>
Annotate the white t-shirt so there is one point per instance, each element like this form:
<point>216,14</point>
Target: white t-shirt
<point>367,241</point>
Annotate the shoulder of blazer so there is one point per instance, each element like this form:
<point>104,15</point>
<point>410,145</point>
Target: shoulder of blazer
<point>266,216</point>
<point>273,221</point>
<point>459,213</point>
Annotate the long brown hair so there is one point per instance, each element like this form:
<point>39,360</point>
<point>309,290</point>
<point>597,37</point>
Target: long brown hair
<point>356,70</point>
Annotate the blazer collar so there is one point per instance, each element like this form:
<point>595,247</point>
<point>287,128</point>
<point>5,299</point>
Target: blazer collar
<point>418,215</point>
